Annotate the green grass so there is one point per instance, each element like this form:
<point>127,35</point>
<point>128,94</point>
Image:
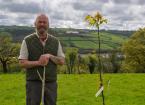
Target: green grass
<point>108,41</point>
<point>124,89</point>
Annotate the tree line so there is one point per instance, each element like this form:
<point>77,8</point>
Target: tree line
<point>129,58</point>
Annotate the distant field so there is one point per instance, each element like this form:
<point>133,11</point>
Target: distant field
<point>90,40</point>
<point>84,39</point>
<point>124,89</point>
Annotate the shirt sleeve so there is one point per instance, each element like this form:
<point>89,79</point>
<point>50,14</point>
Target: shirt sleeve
<point>60,51</point>
<point>23,51</point>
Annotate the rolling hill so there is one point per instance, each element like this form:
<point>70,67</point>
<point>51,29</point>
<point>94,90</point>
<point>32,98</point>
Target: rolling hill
<point>79,38</point>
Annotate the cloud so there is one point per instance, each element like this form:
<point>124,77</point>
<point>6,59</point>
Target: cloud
<point>129,2</point>
<point>121,14</point>
<point>87,6</point>
<point>30,7</point>
<point>3,17</point>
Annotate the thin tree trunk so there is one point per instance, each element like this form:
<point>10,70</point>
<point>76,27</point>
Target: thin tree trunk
<point>4,64</point>
<point>79,68</point>
<point>68,68</point>
<point>100,67</point>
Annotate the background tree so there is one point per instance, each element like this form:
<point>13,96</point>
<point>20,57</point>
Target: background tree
<point>134,51</point>
<point>115,61</point>
<point>8,50</point>
<point>83,64</point>
<point>78,63</point>
<point>96,21</point>
<point>92,63</point>
<point>71,59</point>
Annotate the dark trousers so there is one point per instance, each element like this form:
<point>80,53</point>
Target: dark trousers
<point>33,93</point>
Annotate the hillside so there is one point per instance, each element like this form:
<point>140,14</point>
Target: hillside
<point>80,38</point>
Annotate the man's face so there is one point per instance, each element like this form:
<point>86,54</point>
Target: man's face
<point>42,24</point>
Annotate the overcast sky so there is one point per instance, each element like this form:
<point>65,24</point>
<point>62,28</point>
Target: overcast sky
<point>121,14</point>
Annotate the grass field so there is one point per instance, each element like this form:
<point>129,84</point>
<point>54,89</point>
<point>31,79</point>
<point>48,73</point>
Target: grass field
<point>124,89</point>
<point>90,40</point>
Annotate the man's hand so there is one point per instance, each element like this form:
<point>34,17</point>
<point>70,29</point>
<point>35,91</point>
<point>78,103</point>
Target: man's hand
<point>44,59</point>
<point>55,59</point>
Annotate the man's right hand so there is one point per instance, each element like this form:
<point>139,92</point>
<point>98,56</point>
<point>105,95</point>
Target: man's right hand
<point>43,60</point>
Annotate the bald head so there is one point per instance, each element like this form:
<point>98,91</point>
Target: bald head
<point>42,24</point>
<point>41,16</point>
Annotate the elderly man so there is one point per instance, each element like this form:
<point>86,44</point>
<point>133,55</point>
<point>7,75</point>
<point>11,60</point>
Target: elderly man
<point>38,50</point>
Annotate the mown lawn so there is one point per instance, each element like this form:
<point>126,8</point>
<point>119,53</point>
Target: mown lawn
<point>124,89</point>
